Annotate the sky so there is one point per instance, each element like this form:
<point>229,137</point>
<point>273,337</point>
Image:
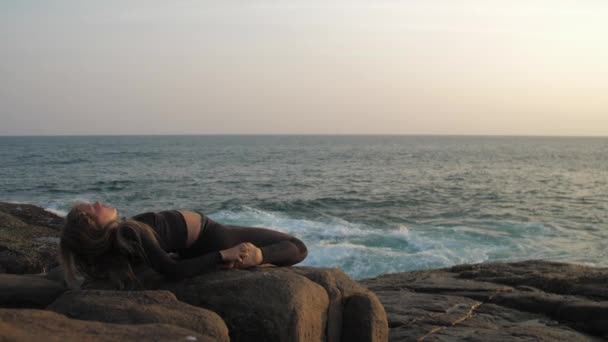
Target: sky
<point>467,67</point>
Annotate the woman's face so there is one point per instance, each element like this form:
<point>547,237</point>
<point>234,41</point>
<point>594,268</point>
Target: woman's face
<point>103,213</point>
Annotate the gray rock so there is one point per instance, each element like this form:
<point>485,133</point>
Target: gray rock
<point>533,300</point>
<point>29,239</point>
<point>553,277</point>
<point>33,215</point>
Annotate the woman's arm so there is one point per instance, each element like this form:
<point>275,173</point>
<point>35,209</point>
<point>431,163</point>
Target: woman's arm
<point>160,260</point>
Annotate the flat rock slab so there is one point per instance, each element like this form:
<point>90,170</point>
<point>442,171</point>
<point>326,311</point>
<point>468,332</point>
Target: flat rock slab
<point>530,301</point>
<point>139,307</point>
<point>27,291</point>
<point>552,277</point>
<point>42,325</point>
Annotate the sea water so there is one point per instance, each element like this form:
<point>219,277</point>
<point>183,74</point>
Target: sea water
<point>366,204</point>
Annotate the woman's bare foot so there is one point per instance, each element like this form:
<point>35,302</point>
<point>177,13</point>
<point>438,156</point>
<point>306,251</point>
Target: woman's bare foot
<point>254,257</point>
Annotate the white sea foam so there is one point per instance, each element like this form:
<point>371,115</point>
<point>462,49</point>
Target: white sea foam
<point>364,251</point>
<point>57,212</point>
<point>58,207</point>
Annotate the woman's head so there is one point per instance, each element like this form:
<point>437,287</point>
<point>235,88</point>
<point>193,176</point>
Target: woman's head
<point>94,242</point>
<point>103,214</point>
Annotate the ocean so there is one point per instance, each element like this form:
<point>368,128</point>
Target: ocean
<point>366,204</point>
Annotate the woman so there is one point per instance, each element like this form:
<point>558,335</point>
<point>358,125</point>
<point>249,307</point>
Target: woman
<point>95,242</point>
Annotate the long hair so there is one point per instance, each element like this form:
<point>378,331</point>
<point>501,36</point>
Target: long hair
<point>102,252</point>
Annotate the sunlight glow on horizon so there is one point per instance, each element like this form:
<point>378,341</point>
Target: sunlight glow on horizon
<point>308,67</point>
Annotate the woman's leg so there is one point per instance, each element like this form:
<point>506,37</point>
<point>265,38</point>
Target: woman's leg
<point>277,248</point>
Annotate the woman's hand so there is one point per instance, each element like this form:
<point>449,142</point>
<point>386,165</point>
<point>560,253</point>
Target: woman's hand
<point>236,253</point>
<point>243,255</point>
<point>254,257</point>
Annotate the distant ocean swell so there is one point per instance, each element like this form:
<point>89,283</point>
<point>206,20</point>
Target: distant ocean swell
<point>366,204</point>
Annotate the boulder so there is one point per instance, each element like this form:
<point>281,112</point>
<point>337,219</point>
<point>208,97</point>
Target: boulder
<point>33,215</point>
<point>281,303</point>
<point>364,318</point>
<point>29,239</point>
<point>260,306</point>
<point>139,307</point>
<point>354,311</point>
<point>42,325</point>
<point>27,291</point>
<point>537,300</point>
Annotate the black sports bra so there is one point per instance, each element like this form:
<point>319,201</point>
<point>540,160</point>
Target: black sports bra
<point>170,225</point>
<point>173,235</point>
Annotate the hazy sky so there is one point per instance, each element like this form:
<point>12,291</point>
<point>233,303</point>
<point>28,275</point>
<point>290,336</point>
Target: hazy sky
<point>307,67</point>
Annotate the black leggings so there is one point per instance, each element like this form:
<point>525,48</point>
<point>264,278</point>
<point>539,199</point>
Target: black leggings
<point>277,248</point>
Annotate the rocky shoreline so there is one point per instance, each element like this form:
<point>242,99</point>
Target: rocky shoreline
<point>532,300</point>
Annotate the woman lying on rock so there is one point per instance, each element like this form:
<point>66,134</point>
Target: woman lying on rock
<point>95,242</point>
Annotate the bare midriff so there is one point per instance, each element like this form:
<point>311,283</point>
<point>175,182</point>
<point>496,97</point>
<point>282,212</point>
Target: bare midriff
<point>193,222</point>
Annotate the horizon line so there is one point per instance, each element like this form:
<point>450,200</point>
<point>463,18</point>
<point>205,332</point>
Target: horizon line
<point>309,134</point>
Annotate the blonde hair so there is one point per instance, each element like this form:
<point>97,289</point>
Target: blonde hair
<point>102,252</point>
